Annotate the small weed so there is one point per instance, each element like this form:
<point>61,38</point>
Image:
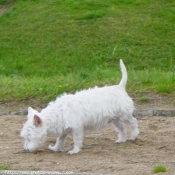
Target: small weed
<point>158,169</point>
<point>4,166</point>
<point>143,99</point>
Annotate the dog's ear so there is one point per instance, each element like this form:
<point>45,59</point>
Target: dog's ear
<point>30,112</point>
<point>37,121</point>
<point>30,109</point>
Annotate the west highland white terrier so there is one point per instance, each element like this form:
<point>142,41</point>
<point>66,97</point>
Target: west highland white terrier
<point>80,113</point>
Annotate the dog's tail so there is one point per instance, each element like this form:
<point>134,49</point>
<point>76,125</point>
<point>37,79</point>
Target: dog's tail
<point>124,74</point>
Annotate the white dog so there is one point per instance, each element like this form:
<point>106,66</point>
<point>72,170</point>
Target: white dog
<point>80,113</point>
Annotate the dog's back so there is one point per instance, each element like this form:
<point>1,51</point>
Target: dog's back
<point>95,107</point>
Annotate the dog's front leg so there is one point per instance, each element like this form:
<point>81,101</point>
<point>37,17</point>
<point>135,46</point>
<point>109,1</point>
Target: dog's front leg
<point>78,134</point>
<point>59,144</point>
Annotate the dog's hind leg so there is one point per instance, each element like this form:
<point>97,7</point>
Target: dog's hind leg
<point>78,134</point>
<point>120,128</point>
<point>59,144</point>
<point>132,122</point>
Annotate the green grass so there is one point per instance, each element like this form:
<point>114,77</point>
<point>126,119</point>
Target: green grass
<point>143,99</point>
<point>4,166</point>
<point>48,47</point>
<point>159,169</point>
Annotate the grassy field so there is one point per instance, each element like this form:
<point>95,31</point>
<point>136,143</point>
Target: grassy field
<point>49,47</point>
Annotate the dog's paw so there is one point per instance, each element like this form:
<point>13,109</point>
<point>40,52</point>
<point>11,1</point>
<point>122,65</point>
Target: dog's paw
<point>134,135</point>
<point>120,141</point>
<point>53,148</point>
<point>74,151</point>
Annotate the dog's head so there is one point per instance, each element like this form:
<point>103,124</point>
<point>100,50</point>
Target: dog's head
<point>33,131</point>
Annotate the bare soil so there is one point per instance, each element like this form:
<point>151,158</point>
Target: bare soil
<point>100,154</point>
<point>4,8</point>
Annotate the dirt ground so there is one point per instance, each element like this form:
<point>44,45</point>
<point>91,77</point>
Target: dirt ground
<point>4,8</point>
<point>100,154</point>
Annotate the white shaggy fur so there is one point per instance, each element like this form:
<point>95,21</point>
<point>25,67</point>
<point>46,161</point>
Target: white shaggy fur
<point>80,113</point>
